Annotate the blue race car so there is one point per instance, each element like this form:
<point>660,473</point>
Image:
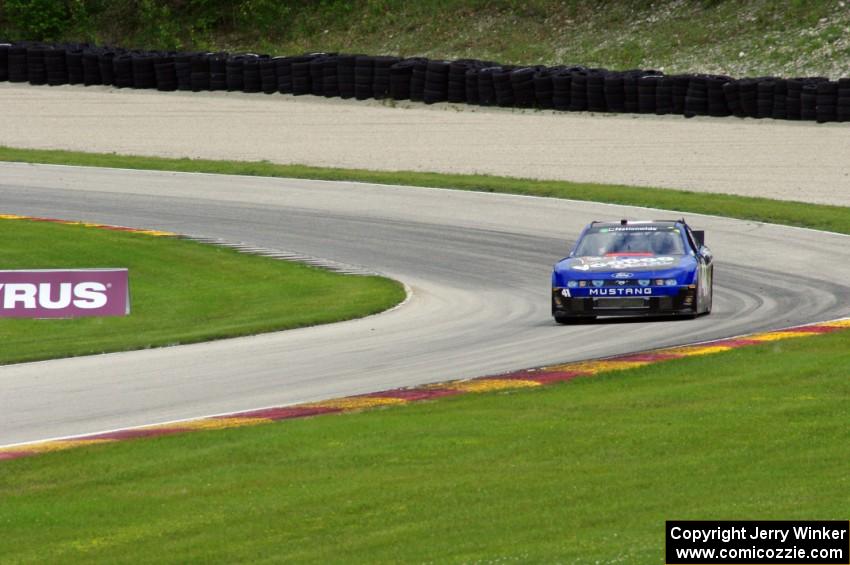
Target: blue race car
<point>634,268</point>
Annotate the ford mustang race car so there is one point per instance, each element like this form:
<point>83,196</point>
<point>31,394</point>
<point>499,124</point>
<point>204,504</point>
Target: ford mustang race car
<point>634,268</point>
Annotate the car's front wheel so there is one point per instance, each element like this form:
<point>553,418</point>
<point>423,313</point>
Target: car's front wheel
<point>564,320</point>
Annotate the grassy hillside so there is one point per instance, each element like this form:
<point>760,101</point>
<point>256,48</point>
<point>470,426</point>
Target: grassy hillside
<point>754,37</point>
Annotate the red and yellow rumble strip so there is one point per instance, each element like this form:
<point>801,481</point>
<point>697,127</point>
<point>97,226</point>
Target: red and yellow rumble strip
<point>155,233</point>
<point>509,381</point>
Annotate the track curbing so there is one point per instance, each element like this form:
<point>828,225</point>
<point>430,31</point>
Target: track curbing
<point>516,380</point>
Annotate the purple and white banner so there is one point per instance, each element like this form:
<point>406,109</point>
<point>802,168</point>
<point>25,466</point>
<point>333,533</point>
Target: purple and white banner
<point>64,293</point>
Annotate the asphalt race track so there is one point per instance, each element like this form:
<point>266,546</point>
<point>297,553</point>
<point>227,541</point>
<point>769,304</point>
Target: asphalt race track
<point>478,266</point>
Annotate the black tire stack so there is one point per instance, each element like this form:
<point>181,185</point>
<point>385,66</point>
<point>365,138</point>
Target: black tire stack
<point>183,70</point>
<point>436,82</point>
<point>696,100</point>
<point>578,91</point>
<point>74,63</point>
<point>843,100</point>
<point>615,93</point>
<point>36,67</point>
<point>105,64</point>
<point>268,75</point>
<point>91,67</point>
<point>562,87</point>
<point>381,77</point>
<point>57,70</point>
<point>324,76</point>
<point>235,73</point>
<point>680,92</point>
<point>486,88</point>
<point>522,85</point>
<point>596,90</point>
<point>417,80</point>
<point>826,102</point>
<point>122,70</point>
<point>780,100</point>
<point>201,73</point>
<point>748,97</point>
<point>17,60</point>
<point>647,87</point>
<point>456,86</point>
<point>717,105</point>
<point>283,70</point>
<point>166,73</point>
<point>664,95</point>
<point>468,81</point>
<point>502,86</point>
<point>732,93</point>
<point>631,102</point>
<point>364,75</point>
<point>401,74</point>
<point>764,87</point>
<point>4,61</point>
<point>544,90</point>
<point>794,102</point>
<point>345,65</point>
<point>330,76</point>
<point>809,98</point>
<point>144,74</point>
<point>218,71</point>
<point>251,79</point>
<point>301,75</point>
<point>317,75</point>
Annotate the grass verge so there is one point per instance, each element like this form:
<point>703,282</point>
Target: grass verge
<point>181,292</point>
<point>817,216</point>
<point>751,37</point>
<point>585,471</point>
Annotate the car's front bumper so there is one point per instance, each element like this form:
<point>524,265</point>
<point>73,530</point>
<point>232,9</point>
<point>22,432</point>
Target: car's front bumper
<point>679,301</point>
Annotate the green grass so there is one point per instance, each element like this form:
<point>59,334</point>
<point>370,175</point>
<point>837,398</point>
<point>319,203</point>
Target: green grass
<point>181,292</point>
<point>817,216</point>
<point>751,37</point>
<point>586,471</point>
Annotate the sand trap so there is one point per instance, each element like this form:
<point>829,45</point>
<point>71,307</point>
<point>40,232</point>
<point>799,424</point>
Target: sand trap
<point>776,159</point>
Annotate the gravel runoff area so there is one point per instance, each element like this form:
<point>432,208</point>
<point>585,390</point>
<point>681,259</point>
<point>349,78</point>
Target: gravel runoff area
<point>775,159</point>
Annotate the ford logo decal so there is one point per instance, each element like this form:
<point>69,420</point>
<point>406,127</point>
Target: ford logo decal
<point>623,275</point>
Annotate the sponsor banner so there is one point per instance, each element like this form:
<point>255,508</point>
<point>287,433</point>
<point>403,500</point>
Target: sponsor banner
<point>623,262</point>
<point>64,293</point>
<point>623,291</point>
<point>762,541</point>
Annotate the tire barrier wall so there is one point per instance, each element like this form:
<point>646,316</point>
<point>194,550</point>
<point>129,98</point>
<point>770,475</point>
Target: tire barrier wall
<point>465,81</point>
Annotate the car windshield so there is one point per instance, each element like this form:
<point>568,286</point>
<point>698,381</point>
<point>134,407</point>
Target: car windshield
<point>624,241</point>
